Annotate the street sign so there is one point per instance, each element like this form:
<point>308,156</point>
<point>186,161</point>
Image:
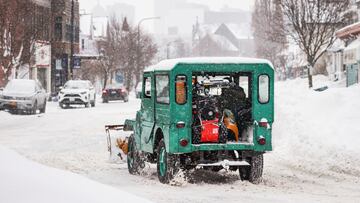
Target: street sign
<point>42,54</point>
<point>119,78</point>
<point>77,63</point>
<point>58,63</point>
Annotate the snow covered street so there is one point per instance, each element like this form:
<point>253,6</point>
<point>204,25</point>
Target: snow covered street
<point>316,155</point>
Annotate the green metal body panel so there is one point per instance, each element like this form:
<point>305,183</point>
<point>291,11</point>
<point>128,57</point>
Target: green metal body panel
<point>154,117</point>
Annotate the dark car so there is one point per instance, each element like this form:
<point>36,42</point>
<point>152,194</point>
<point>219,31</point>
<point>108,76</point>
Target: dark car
<point>115,92</point>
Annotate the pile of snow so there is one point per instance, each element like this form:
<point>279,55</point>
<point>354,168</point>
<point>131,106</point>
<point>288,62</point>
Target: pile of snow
<point>26,181</point>
<point>318,131</point>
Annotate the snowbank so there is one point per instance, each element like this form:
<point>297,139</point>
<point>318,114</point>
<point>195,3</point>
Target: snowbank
<point>24,181</point>
<point>318,131</point>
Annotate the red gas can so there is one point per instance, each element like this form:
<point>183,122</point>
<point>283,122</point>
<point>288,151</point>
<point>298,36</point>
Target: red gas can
<point>210,131</point>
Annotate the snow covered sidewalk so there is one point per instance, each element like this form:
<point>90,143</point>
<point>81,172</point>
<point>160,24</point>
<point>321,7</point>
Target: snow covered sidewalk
<point>22,181</point>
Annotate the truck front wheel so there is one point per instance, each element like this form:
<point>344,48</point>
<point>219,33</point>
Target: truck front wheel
<point>132,157</point>
<point>253,173</point>
<point>166,164</point>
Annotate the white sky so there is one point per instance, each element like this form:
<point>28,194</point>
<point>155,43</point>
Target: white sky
<point>145,8</point>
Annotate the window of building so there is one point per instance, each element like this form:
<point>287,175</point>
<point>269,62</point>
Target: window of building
<point>83,44</point>
<point>58,28</point>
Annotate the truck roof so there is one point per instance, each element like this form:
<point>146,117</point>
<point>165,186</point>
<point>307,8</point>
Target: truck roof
<point>168,65</point>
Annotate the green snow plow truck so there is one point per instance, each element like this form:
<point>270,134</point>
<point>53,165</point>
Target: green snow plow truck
<point>213,113</point>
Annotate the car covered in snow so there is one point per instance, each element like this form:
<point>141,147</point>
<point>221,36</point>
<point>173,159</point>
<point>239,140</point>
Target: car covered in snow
<point>213,113</point>
<point>115,92</point>
<point>23,95</point>
<point>77,92</point>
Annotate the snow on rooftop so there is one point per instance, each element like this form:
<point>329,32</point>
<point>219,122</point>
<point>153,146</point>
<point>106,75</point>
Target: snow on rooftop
<point>167,65</point>
<point>353,45</point>
<point>349,27</point>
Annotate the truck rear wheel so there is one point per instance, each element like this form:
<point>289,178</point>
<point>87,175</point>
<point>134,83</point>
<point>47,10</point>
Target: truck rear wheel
<point>132,157</point>
<point>166,164</point>
<point>253,173</point>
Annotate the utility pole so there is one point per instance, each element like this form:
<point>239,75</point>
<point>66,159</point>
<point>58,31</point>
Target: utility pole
<point>71,75</point>
<point>138,39</point>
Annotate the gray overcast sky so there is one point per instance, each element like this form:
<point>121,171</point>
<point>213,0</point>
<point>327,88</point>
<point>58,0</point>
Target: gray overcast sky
<point>144,8</point>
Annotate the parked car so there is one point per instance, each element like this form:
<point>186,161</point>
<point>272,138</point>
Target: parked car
<point>138,90</point>
<point>21,95</point>
<point>77,92</point>
<point>213,113</point>
<point>114,92</point>
<point>1,91</point>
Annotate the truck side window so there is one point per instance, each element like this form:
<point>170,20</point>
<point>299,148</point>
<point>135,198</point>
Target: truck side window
<point>147,87</point>
<point>162,89</point>
<point>264,89</point>
<point>181,89</point>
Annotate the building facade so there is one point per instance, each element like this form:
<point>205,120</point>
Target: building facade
<point>36,62</point>
<point>61,43</point>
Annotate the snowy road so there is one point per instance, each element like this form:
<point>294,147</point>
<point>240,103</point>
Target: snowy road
<point>74,140</point>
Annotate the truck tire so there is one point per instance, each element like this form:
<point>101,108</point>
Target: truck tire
<point>43,109</point>
<point>132,157</point>
<point>33,112</point>
<point>166,164</point>
<point>253,173</point>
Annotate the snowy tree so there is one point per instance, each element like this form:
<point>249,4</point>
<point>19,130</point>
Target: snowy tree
<point>19,30</point>
<point>312,24</point>
<point>268,31</point>
<point>123,51</point>
<point>147,50</point>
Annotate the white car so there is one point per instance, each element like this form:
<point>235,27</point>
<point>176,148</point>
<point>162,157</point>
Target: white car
<point>77,92</point>
<point>22,95</point>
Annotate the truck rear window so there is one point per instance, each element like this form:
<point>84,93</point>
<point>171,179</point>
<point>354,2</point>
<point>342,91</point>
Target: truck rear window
<point>264,89</point>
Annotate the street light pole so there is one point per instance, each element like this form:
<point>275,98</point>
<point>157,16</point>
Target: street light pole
<point>138,37</point>
<point>71,76</point>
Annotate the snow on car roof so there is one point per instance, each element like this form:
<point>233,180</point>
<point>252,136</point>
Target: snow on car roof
<point>167,65</point>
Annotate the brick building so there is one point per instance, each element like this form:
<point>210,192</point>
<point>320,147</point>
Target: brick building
<point>61,39</point>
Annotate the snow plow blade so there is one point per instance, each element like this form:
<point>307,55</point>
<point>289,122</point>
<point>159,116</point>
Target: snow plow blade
<point>122,144</point>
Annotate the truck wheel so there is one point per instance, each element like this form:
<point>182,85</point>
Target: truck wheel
<point>253,173</point>
<point>166,164</point>
<point>34,108</point>
<point>43,109</point>
<point>132,157</point>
